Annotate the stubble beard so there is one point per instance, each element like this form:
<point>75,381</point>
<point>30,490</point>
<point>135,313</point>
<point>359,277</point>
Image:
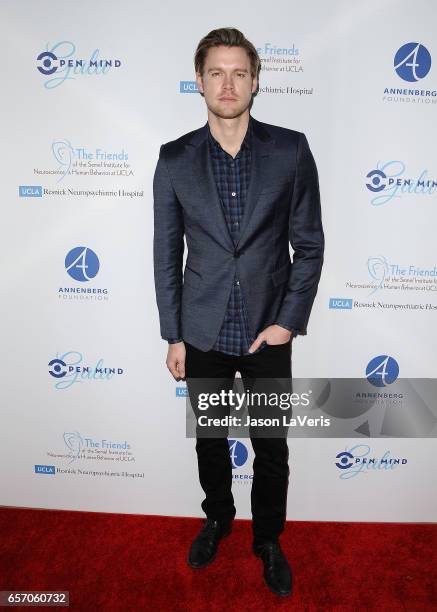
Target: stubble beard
<point>228,113</point>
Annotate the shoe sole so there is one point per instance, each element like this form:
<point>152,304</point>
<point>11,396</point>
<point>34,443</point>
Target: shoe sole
<point>225,535</point>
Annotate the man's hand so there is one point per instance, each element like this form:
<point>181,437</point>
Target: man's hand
<point>176,360</point>
<point>273,334</point>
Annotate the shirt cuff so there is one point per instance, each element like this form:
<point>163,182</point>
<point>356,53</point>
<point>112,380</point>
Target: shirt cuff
<point>173,340</point>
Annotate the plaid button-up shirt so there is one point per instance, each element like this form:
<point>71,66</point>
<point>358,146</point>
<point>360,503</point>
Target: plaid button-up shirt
<point>232,175</point>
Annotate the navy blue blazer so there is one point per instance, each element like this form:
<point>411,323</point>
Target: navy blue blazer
<point>282,208</point>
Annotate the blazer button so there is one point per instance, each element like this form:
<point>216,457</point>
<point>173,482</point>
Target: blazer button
<point>237,253</point>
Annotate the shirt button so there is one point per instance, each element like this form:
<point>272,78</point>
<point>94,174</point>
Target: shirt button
<point>237,282</point>
<point>233,194</point>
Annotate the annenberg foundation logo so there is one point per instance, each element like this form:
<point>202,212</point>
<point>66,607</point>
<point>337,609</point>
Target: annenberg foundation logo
<point>389,181</point>
<point>59,62</point>
<point>82,264</point>
<point>238,453</point>
<point>382,370</point>
<point>412,63</point>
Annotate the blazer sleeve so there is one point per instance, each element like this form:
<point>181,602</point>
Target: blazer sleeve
<point>168,250</point>
<point>307,240</point>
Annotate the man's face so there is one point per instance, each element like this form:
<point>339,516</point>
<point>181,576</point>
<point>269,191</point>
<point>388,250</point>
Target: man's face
<point>226,82</point>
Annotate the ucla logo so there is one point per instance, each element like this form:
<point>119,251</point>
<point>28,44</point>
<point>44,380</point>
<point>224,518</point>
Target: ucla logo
<point>340,303</point>
<point>45,469</point>
<point>238,453</point>
<point>412,62</point>
<point>382,371</point>
<point>188,87</point>
<point>30,191</point>
<point>82,264</point>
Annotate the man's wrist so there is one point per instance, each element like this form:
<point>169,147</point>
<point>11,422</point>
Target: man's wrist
<point>293,330</point>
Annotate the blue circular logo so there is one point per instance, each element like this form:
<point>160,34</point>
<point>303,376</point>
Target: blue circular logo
<point>377,180</point>
<point>82,264</point>
<point>47,62</point>
<point>58,368</point>
<point>238,453</point>
<point>412,62</point>
<point>344,460</point>
<point>382,371</point>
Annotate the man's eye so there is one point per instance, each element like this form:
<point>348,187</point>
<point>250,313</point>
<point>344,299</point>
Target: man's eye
<point>242,74</point>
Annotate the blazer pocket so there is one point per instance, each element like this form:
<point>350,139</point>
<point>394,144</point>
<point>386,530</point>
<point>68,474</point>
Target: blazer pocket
<point>191,277</point>
<point>266,282</point>
<point>282,274</point>
<point>274,188</point>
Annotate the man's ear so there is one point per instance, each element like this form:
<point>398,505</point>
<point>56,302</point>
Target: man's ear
<point>254,84</point>
<point>199,82</point>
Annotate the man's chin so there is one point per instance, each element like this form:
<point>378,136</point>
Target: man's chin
<point>227,113</point>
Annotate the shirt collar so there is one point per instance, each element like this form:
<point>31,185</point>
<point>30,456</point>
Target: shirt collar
<point>247,141</point>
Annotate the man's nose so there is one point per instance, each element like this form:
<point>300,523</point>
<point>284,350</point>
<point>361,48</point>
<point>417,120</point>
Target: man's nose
<point>228,82</point>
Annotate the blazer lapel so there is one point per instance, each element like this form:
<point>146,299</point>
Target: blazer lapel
<point>262,147</point>
<point>204,176</point>
<point>260,172</point>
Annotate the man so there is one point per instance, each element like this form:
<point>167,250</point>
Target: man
<point>240,191</point>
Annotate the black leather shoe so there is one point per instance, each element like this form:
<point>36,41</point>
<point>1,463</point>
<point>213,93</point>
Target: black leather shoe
<point>277,572</point>
<point>203,550</point>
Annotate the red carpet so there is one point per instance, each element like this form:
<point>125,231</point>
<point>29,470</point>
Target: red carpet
<point>131,563</point>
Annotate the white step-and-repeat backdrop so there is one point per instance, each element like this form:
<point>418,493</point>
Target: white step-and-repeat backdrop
<point>91,419</point>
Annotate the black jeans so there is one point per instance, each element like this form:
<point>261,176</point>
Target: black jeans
<point>270,467</point>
